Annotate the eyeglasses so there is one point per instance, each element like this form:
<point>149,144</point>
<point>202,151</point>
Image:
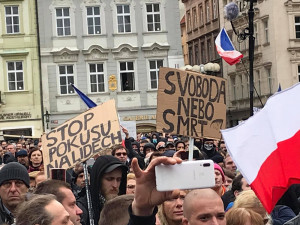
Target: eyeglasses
<point>121,153</point>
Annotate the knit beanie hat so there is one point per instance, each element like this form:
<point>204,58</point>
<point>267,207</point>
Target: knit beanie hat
<point>14,171</point>
<point>217,167</point>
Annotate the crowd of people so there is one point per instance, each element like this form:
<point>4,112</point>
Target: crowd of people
<point>122,187</point>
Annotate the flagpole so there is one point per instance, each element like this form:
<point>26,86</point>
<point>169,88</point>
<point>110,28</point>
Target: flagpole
<point>251,54</point>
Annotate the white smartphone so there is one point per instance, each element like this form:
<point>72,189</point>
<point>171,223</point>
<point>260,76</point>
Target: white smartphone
<point>187,175</point>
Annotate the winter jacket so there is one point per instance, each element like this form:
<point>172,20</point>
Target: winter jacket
<point>97,200</point>
<point>5,218</point>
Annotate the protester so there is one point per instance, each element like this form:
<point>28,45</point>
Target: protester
<point>219,188</point>
<point>115,211</point>
<point>12,149</point>
<point>130,189</point>
<point>40,177</point>
<point>209,148</point>
<point>120,152</point>
<point>14,184</point>
<point>22,157</point>
<point>239,184</point>
<point>229,176</point>
<point>42,210</point>
<point>247,199</point>
<point>170,212</point>
<point>108,180</point>
<point>203,206</point>
<point>243,216</point>
<point>35,160</point>
<point>179,145</point>
<point>64,195</point>
<point>229,164</point>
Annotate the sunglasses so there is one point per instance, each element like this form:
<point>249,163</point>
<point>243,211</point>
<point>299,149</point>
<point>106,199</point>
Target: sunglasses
<point>121,153</point>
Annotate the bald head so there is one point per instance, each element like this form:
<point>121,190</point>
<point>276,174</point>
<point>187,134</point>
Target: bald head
<point>203,204</point>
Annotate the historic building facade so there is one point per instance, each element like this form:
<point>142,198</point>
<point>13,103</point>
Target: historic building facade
<point>202,22</point>
<point>108,49</point>
<point>20,93</point>
<point>276,56</point>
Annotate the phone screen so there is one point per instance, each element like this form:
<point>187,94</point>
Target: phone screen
<point>58,174</point>
<point>184,155</point>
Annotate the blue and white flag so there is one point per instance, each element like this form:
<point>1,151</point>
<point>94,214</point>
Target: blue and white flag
<point>226,49</point>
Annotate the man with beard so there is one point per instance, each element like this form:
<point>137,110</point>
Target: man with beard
<point>108,180</point>
<point>22,157</point>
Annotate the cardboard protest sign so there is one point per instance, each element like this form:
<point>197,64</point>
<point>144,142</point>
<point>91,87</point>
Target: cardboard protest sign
<point>190,103</point>
<point>81,137</point>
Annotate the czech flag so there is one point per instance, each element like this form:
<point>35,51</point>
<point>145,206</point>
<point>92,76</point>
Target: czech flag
<point>226,49</point>
<point>266,147</point>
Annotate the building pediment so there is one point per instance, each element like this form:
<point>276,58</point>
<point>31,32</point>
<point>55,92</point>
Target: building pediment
<point>65,55</point>
<point>95,53</point>
<point>292,6</point>
<point>156,49</point>
<point>125,51</point>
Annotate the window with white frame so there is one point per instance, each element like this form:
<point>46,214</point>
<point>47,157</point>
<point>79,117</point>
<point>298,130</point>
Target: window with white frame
<point>12,19</point>
<point>127,76</point>
<point>63,21</point>
<point>154,66</point>
<point>257,82</point>
<point>256,34</point>
<point>66,77</point>
<point>298,73</point>
<point>201,17</point>
<point>15,75</point>
<point>153,17</point>
<point>93,19</point>
<point>195,18</point>
<point>297,26</point>
<point>96,71</point>
<point>123,17</point>
<point>207,11</point>
<point>266,30</point>
<point>270,80</point>
<point>215,9</point>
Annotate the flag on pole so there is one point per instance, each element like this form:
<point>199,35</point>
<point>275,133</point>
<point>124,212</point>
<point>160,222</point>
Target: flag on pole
<point>226,49</point>
<point>266,147</point>
<point>85,98</point>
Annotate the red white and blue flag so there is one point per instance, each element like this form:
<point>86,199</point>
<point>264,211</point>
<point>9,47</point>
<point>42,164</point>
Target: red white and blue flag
<point>226,49</point>
<point>266,147</point>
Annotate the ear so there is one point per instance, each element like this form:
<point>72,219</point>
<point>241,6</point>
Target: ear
<point>236,193</point>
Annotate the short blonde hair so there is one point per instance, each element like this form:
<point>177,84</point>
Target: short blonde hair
<point>239,216</point>
<point>130,176</point>
<point>248,199</point>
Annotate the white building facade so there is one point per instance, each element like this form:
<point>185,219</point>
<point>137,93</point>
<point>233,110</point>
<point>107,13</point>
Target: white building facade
<point>108,49</point>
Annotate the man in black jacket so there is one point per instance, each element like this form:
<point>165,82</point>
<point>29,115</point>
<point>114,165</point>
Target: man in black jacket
<point>108,180</point>
<point>14,184</point>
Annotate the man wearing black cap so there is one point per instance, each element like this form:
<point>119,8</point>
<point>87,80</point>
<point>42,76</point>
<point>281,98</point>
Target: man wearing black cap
<point>108,180</point>
<point>22,157</point>
<point>14,184</point>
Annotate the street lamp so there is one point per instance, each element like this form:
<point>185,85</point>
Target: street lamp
<point>47,118</point>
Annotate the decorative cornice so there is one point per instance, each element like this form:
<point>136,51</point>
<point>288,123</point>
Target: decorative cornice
<point>157,46</point>
<point>65,50</point>
<point>125,51</point>
<point>95,53</point>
